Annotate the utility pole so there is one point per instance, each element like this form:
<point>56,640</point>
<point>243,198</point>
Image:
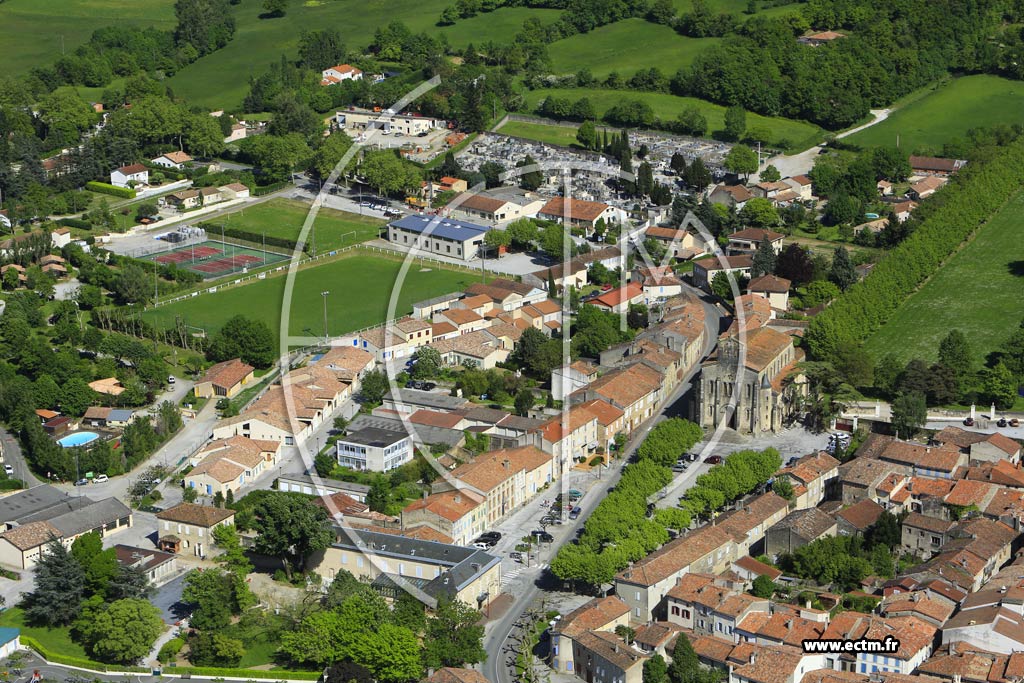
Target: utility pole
<point>324,295</point>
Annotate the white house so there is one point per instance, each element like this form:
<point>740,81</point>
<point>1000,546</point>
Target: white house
<point>172,160</point>
<point>339,73</point>
<point>129,176</point>
<point>373,448</point>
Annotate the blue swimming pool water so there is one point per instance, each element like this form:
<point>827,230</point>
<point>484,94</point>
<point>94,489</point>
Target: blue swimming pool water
<point>78,439</point>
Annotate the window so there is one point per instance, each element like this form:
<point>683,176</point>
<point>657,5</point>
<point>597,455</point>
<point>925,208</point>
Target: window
<point>675,610</point>
<point>359,562</point>
<point>568,666</point>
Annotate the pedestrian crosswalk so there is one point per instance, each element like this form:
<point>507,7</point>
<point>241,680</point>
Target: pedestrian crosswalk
<point>511,575</point>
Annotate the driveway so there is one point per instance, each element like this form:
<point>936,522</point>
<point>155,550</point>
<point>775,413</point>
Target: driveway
<point>803,162</point>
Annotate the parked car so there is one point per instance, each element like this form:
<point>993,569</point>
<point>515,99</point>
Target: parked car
<point>516,555</point>
<point>1014,422</point>
<point>713,459</point>
<point>81,482</point>
<point>485,542</point>
<point>575,512</point>
<point>575,493</point>
<point>100,479</point>
<point>151,508</point>
<point>542,536</point>
<point>679,467</point>
<point>481,545</point>
<point>1002,422</point>
<point>491,535</point>
<point>9,470</point>
<point>170,379</point>
<point>968,421</point>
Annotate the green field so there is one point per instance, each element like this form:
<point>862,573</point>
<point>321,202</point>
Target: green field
<point>53,639</point>
<point>937,115</point>
<point>498,26</point>
<point>360,287</point>
<point>221,80</point>
<point>284,218</point>
<point>564,136</point>
<point>626,47</point>
<point>32,29</point>
<point>797,134</point>
<point>978,291</point>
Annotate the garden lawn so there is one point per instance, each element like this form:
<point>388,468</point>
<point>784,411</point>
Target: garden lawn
<point>948,111</point>
<point>564,136</point>
<point>32,29</point>
<point>792,135</point>
<point>626,46</point>
<point>360,287</point>
<point>498,26</point>
<point>977,291</point>
<point>57,640</point>
<point>221,80</point>
<point>284,218</point>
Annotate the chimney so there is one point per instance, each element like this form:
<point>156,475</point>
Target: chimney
<point>424,494</point>
<point>457,498</point>
<point>807,604</point>
<point>507,464</point>
<point>753,658</point>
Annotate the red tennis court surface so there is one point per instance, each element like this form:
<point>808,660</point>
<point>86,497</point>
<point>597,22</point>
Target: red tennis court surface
<point>188,255</point>
<point>225,264</point>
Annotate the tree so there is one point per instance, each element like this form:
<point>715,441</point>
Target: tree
<point>214,594</point>
<point>655,670</point>
<point>132,285</point>
<point>794,264</point>
<point>206,25</point>
<point>454,636</point>
<point>375,385</point>
<point>721,286</point>
<point>685,666</point>
<point>190,495</point>
<point>586,135</point>
<point>999,386</point>
<point>523,233</point>
<point>536,353</point>
<point>697,175</point>
<point>392,654</point>
<point>123,632</point>
<point>329,154</point>
<point>244,338</point>
<point>388,173</point>
<point>491,172</point>
<point>886,531</point>
<point>909,413</point>
<point>691,122</point>
<point>290,527</point>
<point>764,259</point>
<point>203,136</point>
<point>842,273</point>
<point>233,557</point>
<point>735,123</point>
<point>763,587</point>
<point>214,649</point>
<point>770,174</point>
<point>759,213</point>
<point>955,354</point>
<point>59,587</point>
<point>741,160</point>
<point>524,402</point>
<point>428,363</point>
<point>783,488</point>
<point>662,12</point>
<point>100,566</point>
<point>529,180</point>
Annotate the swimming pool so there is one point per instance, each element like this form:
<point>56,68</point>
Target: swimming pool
<point>78,439</point>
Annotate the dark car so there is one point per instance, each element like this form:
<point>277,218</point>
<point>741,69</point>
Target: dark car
<point>969,422</point>
<point>1002,422</point>
<point>543,536</point>
<point>151,508</point>
<point>491,535</point>
<point>486,540</point>
<point>411,385</point>
<point>82,482</point>
<point>713,459</point>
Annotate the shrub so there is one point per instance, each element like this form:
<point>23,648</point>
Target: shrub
<point>170,650</point>
<point>107,188</point>
<point>75,223</point>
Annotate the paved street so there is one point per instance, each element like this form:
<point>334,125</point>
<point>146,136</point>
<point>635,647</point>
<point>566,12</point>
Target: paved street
<point>527,585</point>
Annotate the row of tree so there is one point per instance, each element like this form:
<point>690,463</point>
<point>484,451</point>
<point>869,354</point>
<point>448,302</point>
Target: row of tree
<point>619,530</point>
<point>741,473</point>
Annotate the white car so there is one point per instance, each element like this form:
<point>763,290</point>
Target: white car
<point>9,470</point>
<point>100,479</point>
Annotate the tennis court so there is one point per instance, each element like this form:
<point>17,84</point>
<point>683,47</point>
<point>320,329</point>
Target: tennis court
<point>213,259</point>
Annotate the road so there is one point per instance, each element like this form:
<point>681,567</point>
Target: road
<point>496,668</point>
<point>803,162</point>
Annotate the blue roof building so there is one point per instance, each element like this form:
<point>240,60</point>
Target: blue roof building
<point>438,235</point>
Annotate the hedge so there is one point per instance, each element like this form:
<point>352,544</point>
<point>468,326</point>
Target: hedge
<point>75,223</point>
<point>244,673</point>
<point>256,238</point>
<point>261,190</point>
<point>107,188</point>
<point>975,194</point>
<point>79,662</point>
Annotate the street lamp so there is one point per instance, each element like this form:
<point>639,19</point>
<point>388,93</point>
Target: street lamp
<point>324,295</point>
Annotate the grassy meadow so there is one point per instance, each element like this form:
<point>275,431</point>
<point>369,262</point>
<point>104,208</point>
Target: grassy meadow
<point>946,111</point>
<point>797,134</point>
<point>978,291</point>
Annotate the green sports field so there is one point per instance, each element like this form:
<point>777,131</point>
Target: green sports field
<point>978,291</point>
<point>939,114</point>
<point>626,46</point>
<point>284,218</point>
<point>360,288</point>
<point>33,29</point>
<point>798,135</point>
